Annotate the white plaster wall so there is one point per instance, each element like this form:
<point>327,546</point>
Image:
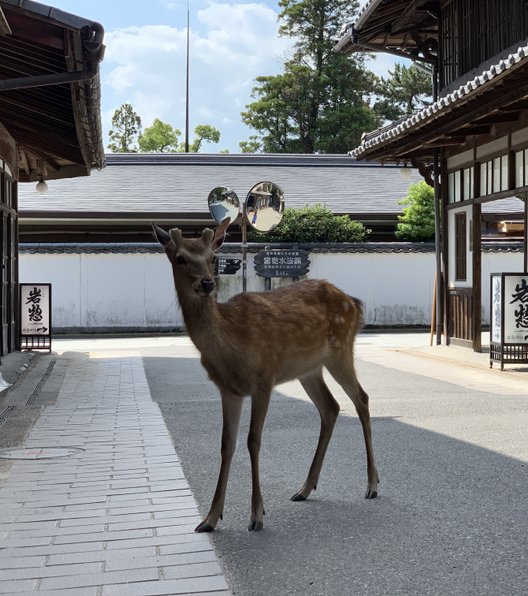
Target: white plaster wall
<point>64,273</point>
<point>106,290</point>
<point>396,288</point>
<point>137,291</point>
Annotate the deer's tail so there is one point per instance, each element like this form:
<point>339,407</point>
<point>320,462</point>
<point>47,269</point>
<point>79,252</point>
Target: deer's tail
<point>360,310</point>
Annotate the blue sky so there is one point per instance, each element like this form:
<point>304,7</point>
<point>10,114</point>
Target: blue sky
<point>231,43</point>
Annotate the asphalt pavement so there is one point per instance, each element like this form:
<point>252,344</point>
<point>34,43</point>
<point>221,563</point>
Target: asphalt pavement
<point>450,441</point>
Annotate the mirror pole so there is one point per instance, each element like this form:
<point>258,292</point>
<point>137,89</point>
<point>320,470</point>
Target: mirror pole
<point>243,226</point>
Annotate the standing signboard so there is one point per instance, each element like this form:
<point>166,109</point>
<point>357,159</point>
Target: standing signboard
<point>508,318</point>
<point>35,316</point>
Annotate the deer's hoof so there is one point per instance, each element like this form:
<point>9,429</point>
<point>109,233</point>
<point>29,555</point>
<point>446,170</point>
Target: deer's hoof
<point>204,527</point>
<point>298,497</point>
<point>371,494</point>
<point>255,525</point>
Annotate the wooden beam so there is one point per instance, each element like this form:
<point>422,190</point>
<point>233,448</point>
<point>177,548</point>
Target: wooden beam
<point>415,12</point>
<point>469,131</point>
<point>5,29</point>
<point>497,118</point>
<point>516,106</point>
<point>445,142</point>
<point>406,18</point>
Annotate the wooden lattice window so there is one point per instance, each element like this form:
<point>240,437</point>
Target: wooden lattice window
<point>461,247</point>
<point>494,175</point>
<point>474,31</point>
<point>461,185</point>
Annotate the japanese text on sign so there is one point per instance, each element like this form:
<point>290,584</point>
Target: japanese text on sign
<point>520,299</point>
<point>282,263</point>
<point>35,309</point>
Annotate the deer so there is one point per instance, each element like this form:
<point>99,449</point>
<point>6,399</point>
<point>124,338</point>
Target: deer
<point>257,340</point>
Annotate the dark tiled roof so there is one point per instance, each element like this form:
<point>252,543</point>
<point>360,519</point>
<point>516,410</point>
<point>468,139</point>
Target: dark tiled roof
<point>505,206</point>
<point>180,183</point>
<point>444,104</point>
<point>154,247</point>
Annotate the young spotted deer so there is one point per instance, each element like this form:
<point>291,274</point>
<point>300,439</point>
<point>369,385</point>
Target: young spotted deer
<point>257,340</point>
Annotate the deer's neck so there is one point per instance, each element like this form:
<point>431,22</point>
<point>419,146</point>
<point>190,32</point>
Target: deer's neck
<point>202,319</point>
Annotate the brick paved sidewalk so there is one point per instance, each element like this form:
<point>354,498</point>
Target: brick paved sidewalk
<point>115,515</point>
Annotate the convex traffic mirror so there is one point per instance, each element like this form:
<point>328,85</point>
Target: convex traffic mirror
<point>223,202</point>
<point>264,206</point>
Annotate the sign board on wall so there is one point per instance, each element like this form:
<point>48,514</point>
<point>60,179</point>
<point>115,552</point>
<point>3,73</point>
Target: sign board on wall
<point>225,266</point>
<point>282,263</point>
<point>509,318</point>
<point>35,316</point>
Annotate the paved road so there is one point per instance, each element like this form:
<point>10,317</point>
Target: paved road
<point>452,513</point>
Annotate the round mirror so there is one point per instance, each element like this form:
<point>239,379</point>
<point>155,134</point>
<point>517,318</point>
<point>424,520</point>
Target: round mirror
<point>223,202</point>
<point>264,206</point>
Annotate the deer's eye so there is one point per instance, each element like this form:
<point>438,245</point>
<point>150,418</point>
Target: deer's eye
<point>181,260</point>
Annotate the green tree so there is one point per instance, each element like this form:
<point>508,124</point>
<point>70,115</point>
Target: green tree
<point>405,91</point>
<point>321,102</point>
<point>252,145</point>
<point>203,132</point>
<point>417,223</point>
<point>126,125</point>
<point>314,223</point>
<point>159,138</point>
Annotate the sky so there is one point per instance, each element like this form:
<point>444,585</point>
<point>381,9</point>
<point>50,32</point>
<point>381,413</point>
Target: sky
<point>231,43</point>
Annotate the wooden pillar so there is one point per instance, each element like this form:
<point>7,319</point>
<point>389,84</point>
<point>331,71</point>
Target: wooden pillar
<point>477,277</point>
<point>526,233</point>
<point>438,247</point>
<point>445,306</point>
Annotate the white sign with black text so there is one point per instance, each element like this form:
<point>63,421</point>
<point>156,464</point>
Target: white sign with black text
<point>35,307</point>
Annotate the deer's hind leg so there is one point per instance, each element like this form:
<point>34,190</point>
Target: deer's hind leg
<point>342,369</point>
<point>328,408</point>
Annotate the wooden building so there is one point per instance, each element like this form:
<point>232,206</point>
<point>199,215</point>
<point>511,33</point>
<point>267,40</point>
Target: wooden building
<point>471,143</point>
<point>49,119</point>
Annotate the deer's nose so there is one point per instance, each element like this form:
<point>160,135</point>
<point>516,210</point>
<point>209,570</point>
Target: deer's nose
<point>208,285</point>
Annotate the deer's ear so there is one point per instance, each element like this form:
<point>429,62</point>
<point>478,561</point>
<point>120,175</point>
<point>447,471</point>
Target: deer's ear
<point>161,235</point>
<point>220,232</point>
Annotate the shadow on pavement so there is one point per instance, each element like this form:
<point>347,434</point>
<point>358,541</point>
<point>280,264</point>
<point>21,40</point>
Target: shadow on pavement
<point>450,519</point>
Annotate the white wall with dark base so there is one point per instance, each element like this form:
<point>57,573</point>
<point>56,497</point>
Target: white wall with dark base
<point>135,291</point>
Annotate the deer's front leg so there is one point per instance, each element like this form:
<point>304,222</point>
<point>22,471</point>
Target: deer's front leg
<point>259,408</point>
<point>231,409</point>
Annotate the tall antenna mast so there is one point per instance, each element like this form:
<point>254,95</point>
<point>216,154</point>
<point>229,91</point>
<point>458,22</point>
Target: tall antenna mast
<point>187,89</point>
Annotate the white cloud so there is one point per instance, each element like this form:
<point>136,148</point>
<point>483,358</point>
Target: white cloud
<point>230,45</point>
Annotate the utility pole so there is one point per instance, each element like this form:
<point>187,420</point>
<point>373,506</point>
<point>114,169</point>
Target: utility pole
<point>187,89</point>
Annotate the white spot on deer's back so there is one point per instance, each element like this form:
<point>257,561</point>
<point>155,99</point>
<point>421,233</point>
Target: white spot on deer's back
<point>339,320</point>
<point>346,306</point>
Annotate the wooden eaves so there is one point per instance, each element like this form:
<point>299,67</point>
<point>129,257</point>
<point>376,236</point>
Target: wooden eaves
<point>50,89</point>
